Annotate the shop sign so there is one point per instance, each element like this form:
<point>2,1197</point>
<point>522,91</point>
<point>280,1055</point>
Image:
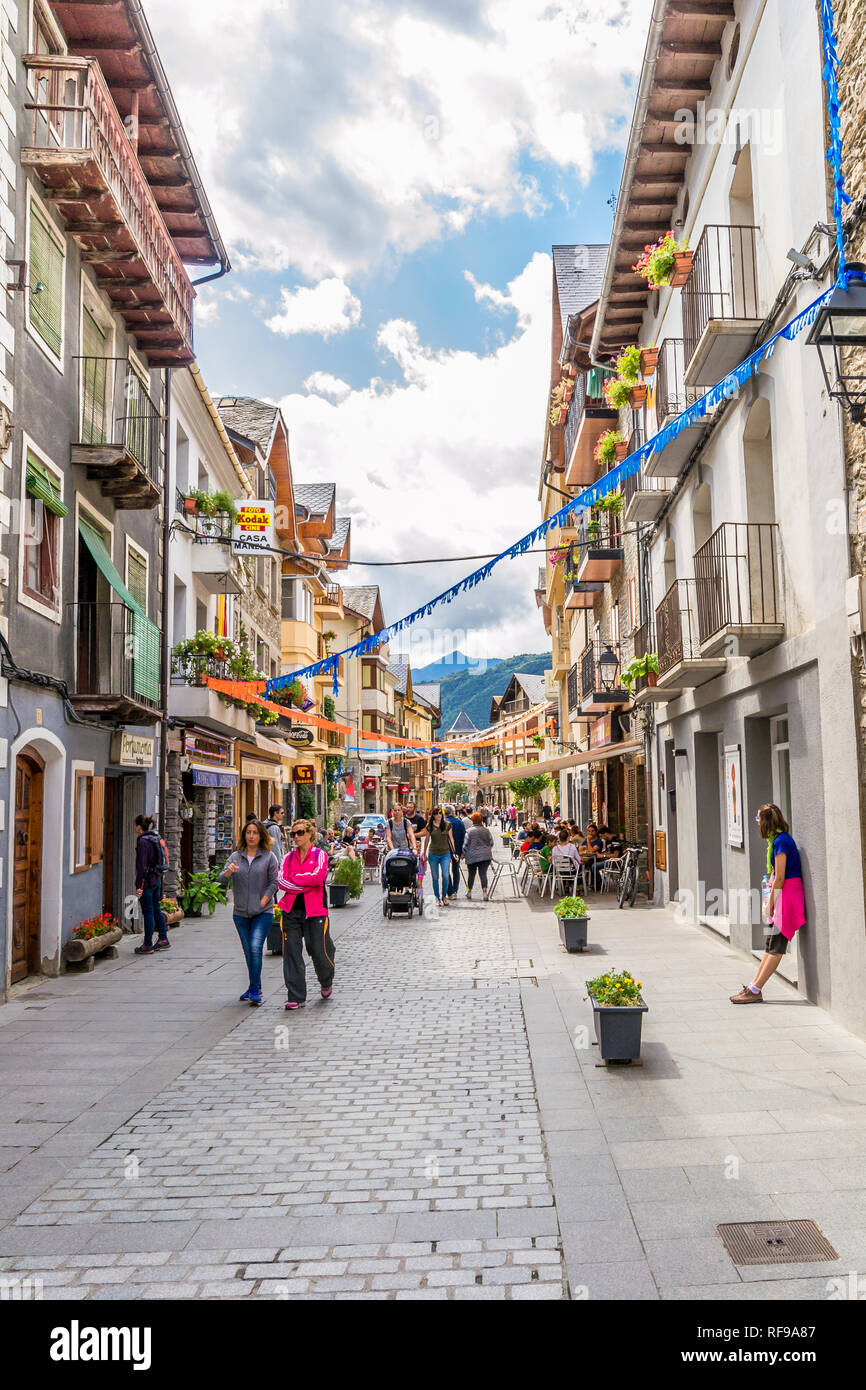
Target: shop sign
<point>210,751</point>
<point>372,770</point>
<point>253,531</point>
<point>403,788</point>
<point>299,737</point>
<point>209,777</point>
<point>601,733</point>
<point>131,750</point>
<point>369,784</point>
<point>268,772</point>
<point>304,776</point>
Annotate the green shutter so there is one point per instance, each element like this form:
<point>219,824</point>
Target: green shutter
<point>46,268</point>
<point>147,649</point>
<point>136,569</point>
<point>94,385</point>
<point>42,485</point>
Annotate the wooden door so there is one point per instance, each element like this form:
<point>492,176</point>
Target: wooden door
<point>27,867</point>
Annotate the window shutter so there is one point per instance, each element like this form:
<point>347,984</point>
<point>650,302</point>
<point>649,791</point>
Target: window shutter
<point>136,579</point>
<point>95,368</point>
<point>97,820</point>
<point>46,268</point>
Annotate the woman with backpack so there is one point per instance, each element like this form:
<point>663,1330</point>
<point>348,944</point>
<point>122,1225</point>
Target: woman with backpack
<point>150,865</point>
<point>305,916</point>
<point>252,873</point>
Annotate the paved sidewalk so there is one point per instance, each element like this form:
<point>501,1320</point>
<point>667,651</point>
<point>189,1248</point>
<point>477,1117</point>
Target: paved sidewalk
<point>439,1129</point>
<point>737,1114</point>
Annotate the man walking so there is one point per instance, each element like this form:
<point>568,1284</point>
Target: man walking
<point>274,826</point>
<point>458,832</point>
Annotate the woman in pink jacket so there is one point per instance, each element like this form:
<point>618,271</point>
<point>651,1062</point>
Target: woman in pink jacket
<point>305,916</point>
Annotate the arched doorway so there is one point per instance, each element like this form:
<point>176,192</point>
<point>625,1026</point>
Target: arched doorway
<point>27,865</point>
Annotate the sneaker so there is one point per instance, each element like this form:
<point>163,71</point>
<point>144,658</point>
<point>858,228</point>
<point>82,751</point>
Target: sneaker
<point>144,951</point>
<point>292,1005</point>
<point>162,945</point>
<point>255,998</point>
<point>468,897</point>
<point>326,993</point>
<point>244,998</point>
<point>747,997</point>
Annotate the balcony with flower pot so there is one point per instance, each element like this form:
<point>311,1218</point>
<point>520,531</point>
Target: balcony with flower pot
<point>579,594</point>
<point>206,657</point>
<point>589,417</point>
<point>600,545</point>
<point>721,304</point>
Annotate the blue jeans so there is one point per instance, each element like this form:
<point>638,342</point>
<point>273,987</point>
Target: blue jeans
<point>153,915</point>
<point>253,933</point>
<point>440,865</point>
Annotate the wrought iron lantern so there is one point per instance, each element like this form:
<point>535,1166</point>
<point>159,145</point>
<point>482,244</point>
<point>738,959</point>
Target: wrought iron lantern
<point>841,324</point>
<point>608,666</point>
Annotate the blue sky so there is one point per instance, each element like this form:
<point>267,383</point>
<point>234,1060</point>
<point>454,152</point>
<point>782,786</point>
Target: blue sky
<point>390,176</point>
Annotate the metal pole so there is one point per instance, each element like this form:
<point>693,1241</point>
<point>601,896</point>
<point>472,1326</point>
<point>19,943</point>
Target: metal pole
<point>166,579</point>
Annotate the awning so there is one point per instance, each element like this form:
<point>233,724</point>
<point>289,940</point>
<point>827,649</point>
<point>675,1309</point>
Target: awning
<point>595,755</point>
<point>147,639</point>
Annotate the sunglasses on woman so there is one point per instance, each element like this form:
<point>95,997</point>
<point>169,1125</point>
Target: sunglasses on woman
<point>299,834</point>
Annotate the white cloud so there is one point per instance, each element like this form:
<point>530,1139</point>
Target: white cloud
<point>324,384</point>
<point>488,294</point>
<point>378,126</point>
<point>458,446</point>
<point>327,308</point>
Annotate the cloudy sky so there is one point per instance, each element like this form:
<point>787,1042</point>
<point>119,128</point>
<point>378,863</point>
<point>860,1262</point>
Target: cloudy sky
<point>390,176</point>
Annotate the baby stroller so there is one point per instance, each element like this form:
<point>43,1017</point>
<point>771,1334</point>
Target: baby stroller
<point>403,893</point>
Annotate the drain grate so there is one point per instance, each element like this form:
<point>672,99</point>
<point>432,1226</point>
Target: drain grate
<point>776,1243</point>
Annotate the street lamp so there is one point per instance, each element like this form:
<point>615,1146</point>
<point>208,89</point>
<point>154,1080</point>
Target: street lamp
<point>608,665</point>
<point>841,324</point>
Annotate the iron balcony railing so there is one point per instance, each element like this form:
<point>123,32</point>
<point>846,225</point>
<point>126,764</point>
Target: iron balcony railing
<point>736,574</point>
<point>644,645</point>
<point>587,395</point>
<point>116,411</point>
<point>677,626</point>
<point>591,672</point>
<point>196,669</point>
<point>73,111</point>
<point>117,654</point>
<point>596,530</point>
<point>723,283</point>
<point>639,482</point>
<point>573,689</point>
<point>672,396</point>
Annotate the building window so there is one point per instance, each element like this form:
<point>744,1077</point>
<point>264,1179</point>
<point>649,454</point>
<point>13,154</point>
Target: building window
<point>372,676</point>
<point>779,739</point>
<point>41,535</point>
<point>88,808</point>
<point>136,577</point>
<point>632,605</point>
<point>370,723</point>
<point>45,283</point>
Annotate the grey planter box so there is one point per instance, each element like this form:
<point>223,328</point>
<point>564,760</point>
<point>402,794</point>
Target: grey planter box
<point>573,932</point>
<point>618,1032</point>
<point>337,894</point>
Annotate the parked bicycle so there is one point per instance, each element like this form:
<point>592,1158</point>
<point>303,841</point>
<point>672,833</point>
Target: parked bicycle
<point>628,879</point>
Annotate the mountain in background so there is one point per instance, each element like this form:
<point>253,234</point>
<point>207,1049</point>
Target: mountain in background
<point>454,664</point>
<point>474,691</point>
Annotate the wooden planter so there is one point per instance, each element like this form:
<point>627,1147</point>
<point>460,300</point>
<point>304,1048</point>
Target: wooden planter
<point>638,397</point>
<point>83,953</point>
<point>173,918</point>
<point>682,269</point>
<point>649,360</point>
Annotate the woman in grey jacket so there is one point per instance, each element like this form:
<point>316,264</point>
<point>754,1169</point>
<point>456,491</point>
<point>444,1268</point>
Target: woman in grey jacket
<point>478,853</point>
<point>252,872</point>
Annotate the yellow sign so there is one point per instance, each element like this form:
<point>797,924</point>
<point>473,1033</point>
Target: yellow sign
<point>254,528</point>
<point>304,774</point>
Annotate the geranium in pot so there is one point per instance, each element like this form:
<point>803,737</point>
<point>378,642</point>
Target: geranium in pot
<point>617,393</point>
<point>611,448</point>
<point>618,1011</point>
<point>172,911</point>
<point>642,668</point>
<point>628,365</point>
<point>573,915</point>
<point>667,263</point>
<point>649,360</point>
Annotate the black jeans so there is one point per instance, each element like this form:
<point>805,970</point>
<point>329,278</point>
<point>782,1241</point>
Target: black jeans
<point>455,876</point>
<point>152,913</point>
<point>315,934</point>
<point>481,871</point>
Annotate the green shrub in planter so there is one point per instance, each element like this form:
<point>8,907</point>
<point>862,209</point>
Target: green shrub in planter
<point>200,890</point>
<point>350,874</point>
<point>573,915</point>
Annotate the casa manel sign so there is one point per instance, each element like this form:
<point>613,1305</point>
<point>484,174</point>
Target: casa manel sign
<point>253,532</point>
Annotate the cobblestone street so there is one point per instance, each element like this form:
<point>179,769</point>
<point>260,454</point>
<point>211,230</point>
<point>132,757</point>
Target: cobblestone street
<point>439,1129</point>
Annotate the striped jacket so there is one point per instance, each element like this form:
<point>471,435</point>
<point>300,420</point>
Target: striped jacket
<point>307,878</point>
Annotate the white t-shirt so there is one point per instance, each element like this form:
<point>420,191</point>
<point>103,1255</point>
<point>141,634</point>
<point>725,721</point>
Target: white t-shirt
<point>569,852</point>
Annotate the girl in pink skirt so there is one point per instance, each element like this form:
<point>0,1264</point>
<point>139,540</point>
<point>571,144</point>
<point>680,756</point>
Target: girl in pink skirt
<point>786,906</point>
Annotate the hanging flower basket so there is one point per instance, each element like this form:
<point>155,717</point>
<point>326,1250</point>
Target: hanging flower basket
<point>638,397</point>
<point>611,448</point>
<point>681,273</point>
<point>666,263</point>
<point>649,360</point>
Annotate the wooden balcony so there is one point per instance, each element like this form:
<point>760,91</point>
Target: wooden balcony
<point>589,417</point>
<point>119,433</point>
<point>330,604</point>
<point>77,145</point>
<point>721,304</point>
<point>601,550</point>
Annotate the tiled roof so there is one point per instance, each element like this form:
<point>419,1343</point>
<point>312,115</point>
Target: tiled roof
<point>248,417</point>
<point>399,667</point>
<point>463,724</point>
<point>579,274</point>
<point>315,498</point>
<point>432,693</point>
<point>341,532</point>
<point>362,600</point>
<point>532,686</point>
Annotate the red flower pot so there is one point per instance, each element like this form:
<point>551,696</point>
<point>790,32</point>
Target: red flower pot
<point>649,360</point>
<point>682,269</point>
